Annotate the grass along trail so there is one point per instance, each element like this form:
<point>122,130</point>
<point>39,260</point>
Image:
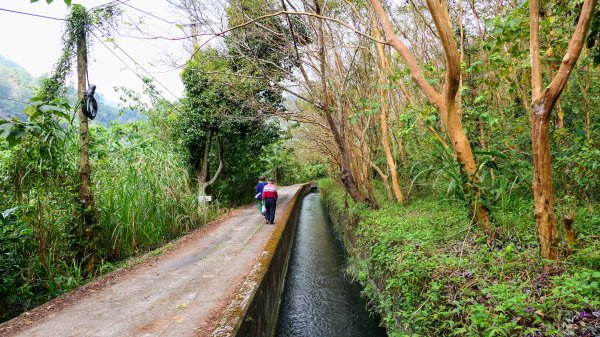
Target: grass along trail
<point>181,293</point>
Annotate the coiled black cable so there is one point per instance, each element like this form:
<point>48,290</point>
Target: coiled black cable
<point>89,104</point>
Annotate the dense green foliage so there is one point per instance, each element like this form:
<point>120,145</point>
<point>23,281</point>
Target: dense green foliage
<point>426,267</point>
<point>144,194</point>
<point>495,94</point>
<point>436,276</point>
<point>228,112</point>
<point>144,174</point>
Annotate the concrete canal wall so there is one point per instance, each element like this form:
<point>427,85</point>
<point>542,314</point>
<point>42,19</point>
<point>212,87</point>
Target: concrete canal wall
<point>254,311</point>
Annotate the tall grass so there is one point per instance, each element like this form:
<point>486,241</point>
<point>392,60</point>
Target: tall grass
<point>144,196</point>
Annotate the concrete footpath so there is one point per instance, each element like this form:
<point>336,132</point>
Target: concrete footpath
<point>181,293</point>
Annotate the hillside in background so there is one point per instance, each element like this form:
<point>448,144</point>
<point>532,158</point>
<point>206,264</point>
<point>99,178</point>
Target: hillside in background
<point>17,86</point>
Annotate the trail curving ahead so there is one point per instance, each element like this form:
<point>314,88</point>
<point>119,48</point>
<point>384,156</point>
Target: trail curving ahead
<point>181,293</point>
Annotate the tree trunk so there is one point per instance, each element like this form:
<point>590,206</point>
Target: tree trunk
<point>203,172</point>
<point>203,175</point>
<point>368,181</point>
<point>569,231</point>
<point>543,102</point>
<point>586,102</point>
<point>464,155</point>
<point>560,123</point>
<point>385,142</point>
<point>385,180</point>
<point>86,232</point>
<point>481,134</point>
<point>385,137</point>
<point>346,173</point>
<point>444,102</point>
<point>542,186</point>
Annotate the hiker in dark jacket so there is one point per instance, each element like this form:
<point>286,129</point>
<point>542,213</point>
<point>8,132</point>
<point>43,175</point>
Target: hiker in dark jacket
<point>259,188</point>
<point>269,196</point>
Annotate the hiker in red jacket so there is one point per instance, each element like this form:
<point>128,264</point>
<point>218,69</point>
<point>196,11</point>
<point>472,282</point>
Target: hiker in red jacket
<point>269,197</point>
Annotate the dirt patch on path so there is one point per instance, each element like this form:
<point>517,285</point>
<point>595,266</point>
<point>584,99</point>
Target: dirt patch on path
<point>180,293</point>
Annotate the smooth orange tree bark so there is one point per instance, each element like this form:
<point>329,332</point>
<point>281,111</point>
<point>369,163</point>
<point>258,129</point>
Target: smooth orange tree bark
<point>383,93</point>
<point>445,101</point>
<point>542,102</point>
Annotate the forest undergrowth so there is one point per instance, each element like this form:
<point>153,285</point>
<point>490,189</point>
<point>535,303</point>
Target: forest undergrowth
<point>144,198</point>
<point>428,271</point>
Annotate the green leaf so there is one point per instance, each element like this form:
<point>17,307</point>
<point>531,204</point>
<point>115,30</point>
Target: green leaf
<point>46,108</point>
<point>12,133</point>
<point>30,110</point>
<point>56,110</point>
<point>68,2</point>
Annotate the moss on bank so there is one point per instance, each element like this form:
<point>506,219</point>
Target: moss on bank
<point>429,272</point>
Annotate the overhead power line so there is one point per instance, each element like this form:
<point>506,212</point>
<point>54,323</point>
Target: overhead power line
<point>147,13</point>
<point>14,100</point>
<point>129,67</point>
<point>137,63</point>
<point>31,14</point>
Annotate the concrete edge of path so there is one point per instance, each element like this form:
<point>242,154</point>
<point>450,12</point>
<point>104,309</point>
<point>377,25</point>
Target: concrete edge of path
<point>235,313</point>
<point>28,318</point>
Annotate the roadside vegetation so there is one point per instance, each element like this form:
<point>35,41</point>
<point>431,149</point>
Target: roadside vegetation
<point>428,272</point>
<point>461,140</point>
<point>146,175</point>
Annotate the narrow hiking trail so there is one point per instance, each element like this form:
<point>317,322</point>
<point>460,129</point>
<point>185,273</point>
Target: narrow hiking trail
<point>181,293</point>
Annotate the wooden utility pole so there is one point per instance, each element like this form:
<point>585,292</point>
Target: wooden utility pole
<point>86,231</point>
<point>194,31</point>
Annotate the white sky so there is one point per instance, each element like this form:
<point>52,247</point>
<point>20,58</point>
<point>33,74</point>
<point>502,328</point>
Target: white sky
<point>35,44</point>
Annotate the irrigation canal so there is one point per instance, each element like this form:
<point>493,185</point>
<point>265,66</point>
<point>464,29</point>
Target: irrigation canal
<point>319,299</point>
<point>224,280</point>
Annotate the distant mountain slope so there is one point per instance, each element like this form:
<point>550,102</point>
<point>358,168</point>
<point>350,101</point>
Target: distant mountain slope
<point>17,86</point>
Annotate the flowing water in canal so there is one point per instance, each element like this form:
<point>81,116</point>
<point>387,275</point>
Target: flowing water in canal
<point>319,299</point>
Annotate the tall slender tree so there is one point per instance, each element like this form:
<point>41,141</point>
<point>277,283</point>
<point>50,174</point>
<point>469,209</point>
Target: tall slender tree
<point>445,101</point>
<point>542,102</point>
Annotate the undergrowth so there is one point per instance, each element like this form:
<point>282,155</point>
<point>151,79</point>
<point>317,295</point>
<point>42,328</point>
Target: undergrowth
<point>144,195</point>
<point>436,276</point>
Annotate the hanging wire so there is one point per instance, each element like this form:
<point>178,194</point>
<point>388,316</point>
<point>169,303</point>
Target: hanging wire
<point>137,63</point>
<point>147,13</point>
<point>129,67</point>
<point>32,14</point>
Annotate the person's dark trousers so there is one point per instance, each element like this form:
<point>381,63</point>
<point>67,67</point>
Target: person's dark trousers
<point>270,204</point>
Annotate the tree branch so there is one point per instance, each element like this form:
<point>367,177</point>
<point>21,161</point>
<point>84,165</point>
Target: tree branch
<point>554,89</point>
<point>392,39</point>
